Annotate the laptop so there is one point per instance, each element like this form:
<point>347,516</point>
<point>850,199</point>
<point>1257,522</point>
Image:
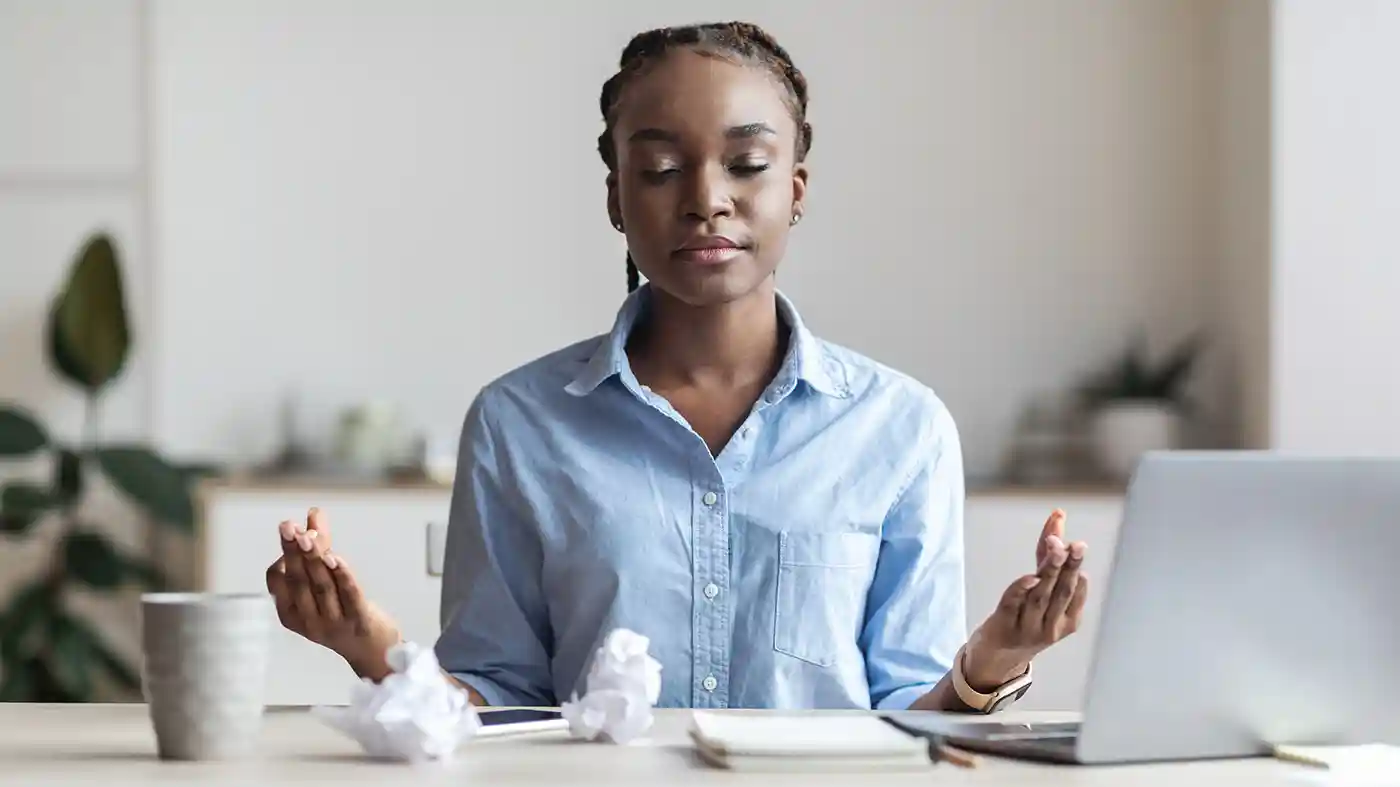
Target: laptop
<point>1254,601</point>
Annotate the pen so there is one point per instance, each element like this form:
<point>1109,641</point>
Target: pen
<point>940,751</point>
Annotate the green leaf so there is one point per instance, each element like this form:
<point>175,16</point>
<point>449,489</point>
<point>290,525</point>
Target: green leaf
<point>20,680</point>
<point>73,659</point>
<point>60,357</point>
<point>152,482</point>
<point>68,476</point>
<point>103,656</point>
<point>32,680</point>
<point>30,610</point>
<point>20,433</point>
<point>91,559</point>
<point>22,504</point>
<point>145,574</point>
<point>90,337</point>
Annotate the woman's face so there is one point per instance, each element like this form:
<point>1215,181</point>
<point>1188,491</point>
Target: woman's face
<point>707,181</point>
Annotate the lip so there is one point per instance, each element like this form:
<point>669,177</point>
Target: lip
<point>709,250</point>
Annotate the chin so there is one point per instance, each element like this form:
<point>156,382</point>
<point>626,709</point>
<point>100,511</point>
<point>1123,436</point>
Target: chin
<point>711,290</point>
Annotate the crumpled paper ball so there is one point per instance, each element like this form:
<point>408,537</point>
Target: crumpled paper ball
<point>414,714</point>
<point>623,684</point>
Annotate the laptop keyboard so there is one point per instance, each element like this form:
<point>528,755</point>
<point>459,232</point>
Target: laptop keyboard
<point>1066,731</point>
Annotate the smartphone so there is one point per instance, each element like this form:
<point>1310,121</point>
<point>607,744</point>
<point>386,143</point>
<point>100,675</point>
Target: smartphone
<point>514,721</point>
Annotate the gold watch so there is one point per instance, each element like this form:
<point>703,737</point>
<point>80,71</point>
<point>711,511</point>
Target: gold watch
<point>998,699</point>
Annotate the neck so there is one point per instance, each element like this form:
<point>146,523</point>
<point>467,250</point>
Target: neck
<point>738,343</point>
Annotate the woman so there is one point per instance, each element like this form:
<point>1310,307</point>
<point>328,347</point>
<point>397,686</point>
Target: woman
<point>781,516</point>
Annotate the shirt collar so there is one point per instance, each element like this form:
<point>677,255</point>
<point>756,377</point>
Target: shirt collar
<point>807,360</point>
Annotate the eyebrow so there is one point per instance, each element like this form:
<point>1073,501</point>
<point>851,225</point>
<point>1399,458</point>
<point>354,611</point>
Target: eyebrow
<point>746,131</point>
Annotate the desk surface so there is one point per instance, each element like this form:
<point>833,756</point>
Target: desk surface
<point>113,745</point>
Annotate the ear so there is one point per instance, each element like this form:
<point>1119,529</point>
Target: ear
<point>799,187</point>
<point>614,206</point>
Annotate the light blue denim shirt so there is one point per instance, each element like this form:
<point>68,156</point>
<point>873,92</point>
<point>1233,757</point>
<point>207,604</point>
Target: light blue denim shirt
<point>817,562</point>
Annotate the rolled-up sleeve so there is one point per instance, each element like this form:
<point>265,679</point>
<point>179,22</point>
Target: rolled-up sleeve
<point>495,626</point>
<point>916,615</point>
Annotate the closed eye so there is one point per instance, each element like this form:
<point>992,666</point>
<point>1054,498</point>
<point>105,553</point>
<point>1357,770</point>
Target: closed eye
<point>658,175</point>
<point>746,170</point>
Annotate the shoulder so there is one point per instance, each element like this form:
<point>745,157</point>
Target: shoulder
<point>905,402</point>
<point>533,390</point>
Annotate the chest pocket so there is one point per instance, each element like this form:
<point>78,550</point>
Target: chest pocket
<point>823,579</point>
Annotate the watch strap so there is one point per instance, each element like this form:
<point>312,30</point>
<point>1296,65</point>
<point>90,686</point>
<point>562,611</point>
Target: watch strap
<point>993,701</point>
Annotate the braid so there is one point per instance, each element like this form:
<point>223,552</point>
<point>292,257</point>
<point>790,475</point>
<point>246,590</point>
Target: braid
<point>742,41</point>
<point>634,276</point>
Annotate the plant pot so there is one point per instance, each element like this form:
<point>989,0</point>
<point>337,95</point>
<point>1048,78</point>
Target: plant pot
<point>1124,430</point>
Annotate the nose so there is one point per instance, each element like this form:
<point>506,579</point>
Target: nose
<point>707,194</point>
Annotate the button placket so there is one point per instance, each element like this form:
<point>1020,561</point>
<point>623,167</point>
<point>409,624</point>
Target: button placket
<point>710,573</point>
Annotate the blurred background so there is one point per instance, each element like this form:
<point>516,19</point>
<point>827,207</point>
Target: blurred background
<point>264,254</point>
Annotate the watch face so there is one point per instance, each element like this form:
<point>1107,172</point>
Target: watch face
<point>1007,699</point>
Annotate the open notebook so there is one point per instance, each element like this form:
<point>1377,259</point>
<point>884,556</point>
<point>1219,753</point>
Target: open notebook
<point>805,742</point>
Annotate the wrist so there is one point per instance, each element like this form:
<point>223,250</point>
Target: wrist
<point>986,667</point>
<point>370,658</point>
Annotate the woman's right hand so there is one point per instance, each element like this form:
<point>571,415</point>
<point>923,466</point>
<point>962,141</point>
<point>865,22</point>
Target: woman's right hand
<point>317,597</point>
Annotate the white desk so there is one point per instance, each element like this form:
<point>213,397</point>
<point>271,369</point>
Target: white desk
<point>112,745</point>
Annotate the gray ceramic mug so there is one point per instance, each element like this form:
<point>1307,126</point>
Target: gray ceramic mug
<point>204,671</point>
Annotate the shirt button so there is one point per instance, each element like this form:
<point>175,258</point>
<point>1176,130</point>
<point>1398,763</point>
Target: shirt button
<point>744,432</point>
<point>711,590</point>
<point>709,683</point>
<point>711,498</point>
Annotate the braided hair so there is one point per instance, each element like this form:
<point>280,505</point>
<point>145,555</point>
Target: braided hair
<point>741,41</point>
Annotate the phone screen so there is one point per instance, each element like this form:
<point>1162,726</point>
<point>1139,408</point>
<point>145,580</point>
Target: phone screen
<point>491,718</point>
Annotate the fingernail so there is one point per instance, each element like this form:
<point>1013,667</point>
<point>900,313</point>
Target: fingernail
<point>305,541</point>
<point>287,531</point>
<point>1078,551</point>
<point>329,560</point>
<point>1058,558</point>
<point>1032,582</point>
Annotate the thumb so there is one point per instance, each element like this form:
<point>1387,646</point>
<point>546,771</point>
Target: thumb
<point>1015,596</point>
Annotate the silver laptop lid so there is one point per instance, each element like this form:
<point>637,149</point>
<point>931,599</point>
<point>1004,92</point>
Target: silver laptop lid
<point>1254,599</point>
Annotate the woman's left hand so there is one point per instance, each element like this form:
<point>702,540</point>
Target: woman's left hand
<point>1035,612</point>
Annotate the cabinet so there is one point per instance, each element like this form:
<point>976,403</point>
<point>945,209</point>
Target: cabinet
<point>393,538</point>
<point>390,536</point>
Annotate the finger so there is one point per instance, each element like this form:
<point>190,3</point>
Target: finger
<point>1015,596</point>
<point>316,520</point>
<point>298,583</point>
<point>1065,586</point>
<point>277,586</point>
<point>1032,618</point>
<point>318,572</point>
<point>353,603</point>
<point>1075,613</point>
<point>1054,526</point>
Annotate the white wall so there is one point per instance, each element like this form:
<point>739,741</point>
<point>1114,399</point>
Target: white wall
<point>402,199</point>
<point>1336,162</point>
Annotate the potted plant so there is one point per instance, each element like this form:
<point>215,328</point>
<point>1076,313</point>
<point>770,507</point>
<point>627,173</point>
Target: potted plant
<point>49,652</point>
<point>1135,406</point>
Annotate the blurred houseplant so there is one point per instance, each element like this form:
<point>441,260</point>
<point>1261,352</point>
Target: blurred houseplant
<point>1136,406</point>
<point>47,652</point>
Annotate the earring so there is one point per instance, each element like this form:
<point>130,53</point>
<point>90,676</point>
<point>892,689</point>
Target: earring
<point>796,217</point>
<point>617,225</point>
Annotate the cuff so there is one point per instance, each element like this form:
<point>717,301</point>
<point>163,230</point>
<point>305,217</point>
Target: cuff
<point>903,697</point>
<point>490,690</point>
